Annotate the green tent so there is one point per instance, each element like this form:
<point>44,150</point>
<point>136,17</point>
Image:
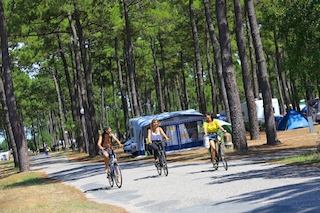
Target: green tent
<point>227,126</point>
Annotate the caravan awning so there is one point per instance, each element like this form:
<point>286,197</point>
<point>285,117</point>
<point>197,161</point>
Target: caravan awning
<point>146,120</point>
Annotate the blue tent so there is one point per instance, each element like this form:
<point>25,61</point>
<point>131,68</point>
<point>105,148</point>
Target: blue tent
<point>292,120</point>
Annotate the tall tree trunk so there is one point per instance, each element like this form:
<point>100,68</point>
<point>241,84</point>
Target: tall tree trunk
<point>61,113</point>
<point>129,54</point>
<point>211,78</point>
<point>184,98</point>
<point>295,101</point>
<point>167,102</point>
<point>252,60</point>
<point>18,132</point>
<point>33,133</point>
<point>157,78</point>
<point>283,79</point>
<point>238,129</point>
<point>217,59</point>
<point>40,142</point>
<point>115,104</point>
<point>130,93</point>
<point>72,93</point>
<point>52,126</point>
<point>122,88</point>
<point>10,136</point>
<point>202,103</point>
<point>177,90</point>
<point>81,141</point>
<point>276,70</point>
<point>251,105</point>
<point>83,104</point>
<point>263,77</point>
<point>90,114</point>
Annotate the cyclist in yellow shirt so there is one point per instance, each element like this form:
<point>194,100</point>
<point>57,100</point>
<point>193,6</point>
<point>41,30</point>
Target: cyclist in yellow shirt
<point>210,128</point>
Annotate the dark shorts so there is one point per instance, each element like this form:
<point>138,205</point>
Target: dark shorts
<point>109,151</point>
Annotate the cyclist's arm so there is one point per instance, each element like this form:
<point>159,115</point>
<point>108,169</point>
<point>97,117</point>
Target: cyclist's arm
<point>163,134</point>
<point>116,139</point>
<point>149,136</point>
<point>205,129</point>
<point>99,142</point>
<point>219,126</point>
<point>222,129</point>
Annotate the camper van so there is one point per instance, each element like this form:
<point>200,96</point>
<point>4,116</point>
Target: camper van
<point>260,110</point>
<point>313,109</point>
<point>184,128</point>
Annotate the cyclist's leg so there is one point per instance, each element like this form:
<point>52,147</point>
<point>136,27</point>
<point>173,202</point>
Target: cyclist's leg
<point>106,159</point>
<point>163,146</point>
<point>213,149</point>
<point>155,148</point>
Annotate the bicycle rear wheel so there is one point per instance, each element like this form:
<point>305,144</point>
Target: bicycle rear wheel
<point>110,176</point>
<point>223,158</point>
<point>213,161</point>
<point>117,175</point>
<point>159,164</point>
<point>164,164</point>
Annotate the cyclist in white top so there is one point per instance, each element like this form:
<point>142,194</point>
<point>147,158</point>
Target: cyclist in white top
<point>155,134</point>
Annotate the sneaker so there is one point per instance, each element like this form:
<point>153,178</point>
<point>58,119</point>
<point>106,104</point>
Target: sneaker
<point>215,163</point>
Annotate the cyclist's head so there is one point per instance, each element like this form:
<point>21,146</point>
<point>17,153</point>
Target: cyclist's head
<point>212,115</point>
<point>106,128</point>
<point>153,122</point>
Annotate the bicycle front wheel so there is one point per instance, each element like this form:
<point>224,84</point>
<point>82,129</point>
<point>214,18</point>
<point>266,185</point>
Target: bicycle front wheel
<point>159,164</point>
<point>110,176</point>
<point>223,158</point>
<point>117,175</point>
<point>164,164</point>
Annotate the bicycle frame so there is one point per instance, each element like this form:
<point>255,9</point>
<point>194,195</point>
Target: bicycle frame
<point>115,171</point>
<point>162,161</point>
<point>220,155</point>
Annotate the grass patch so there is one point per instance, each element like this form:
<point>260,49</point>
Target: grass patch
<point>35,192</point>
<point>7,168</point>
<point>311,158</point>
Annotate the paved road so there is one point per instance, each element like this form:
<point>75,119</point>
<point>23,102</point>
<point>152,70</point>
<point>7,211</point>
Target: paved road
<point>247,186</point>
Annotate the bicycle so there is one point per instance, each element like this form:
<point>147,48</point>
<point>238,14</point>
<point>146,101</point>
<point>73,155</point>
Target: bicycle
<point>161,163</point>
<point>220,154</point>
<point>114,171</point>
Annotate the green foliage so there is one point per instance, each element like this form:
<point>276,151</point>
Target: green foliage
<point>31,145</point>
<point>4,145</point>
<point>46,138</point>
<point>299,28</point>
<point>33,28</point>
